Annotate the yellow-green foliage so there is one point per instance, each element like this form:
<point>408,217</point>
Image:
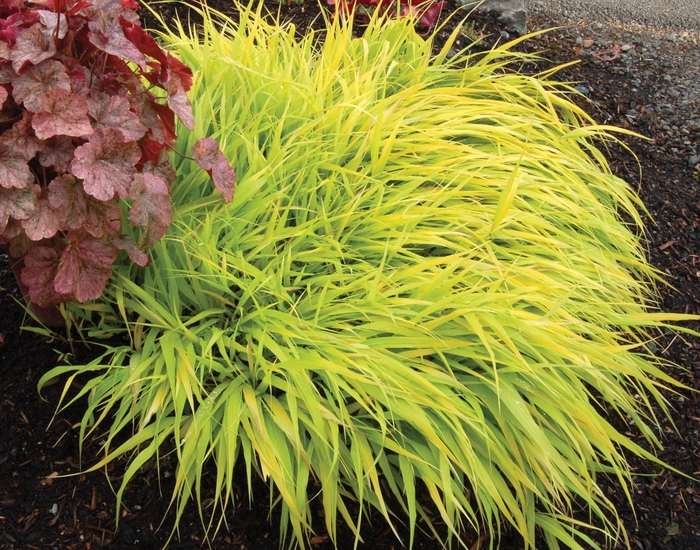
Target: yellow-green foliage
<point>424,277</point>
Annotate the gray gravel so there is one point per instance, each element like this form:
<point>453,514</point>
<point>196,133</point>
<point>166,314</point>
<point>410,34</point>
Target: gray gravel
<point>653,44</point>
<point>681,15</point>
<point>656,48</point>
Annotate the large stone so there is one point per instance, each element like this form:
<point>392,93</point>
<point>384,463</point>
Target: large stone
<point>512,12</point>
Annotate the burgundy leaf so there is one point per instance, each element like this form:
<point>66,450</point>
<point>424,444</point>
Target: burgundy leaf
<point>144,42</point>
<point>43,223</point>
<point>15,203</point>
<point>166,121</point>
<point>79,81</point>
<point>57,152</point>
<point>125,243</point>
<point>179,69</point>
<point>38,80</point>
<point>19,138</point>
<point>151,209</point>
<point>152,114</point>
<point>10,28</point>
<point>429,16</point>
<point>154,72</point>
<point>207,154</point>
<point>85,266</point>
<point>78,7</point>
<point>14,171</point>
<point>117,77</point>
<point>106,164</point>
<point>40,269</point>
<point>76,209</point>
<point>151,149</point>
<point>62,113</point>
<point>179,102</point>
<point>33,45</point>
<point>113,112</point>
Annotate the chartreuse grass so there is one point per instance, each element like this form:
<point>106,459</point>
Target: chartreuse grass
<point>424,283</point>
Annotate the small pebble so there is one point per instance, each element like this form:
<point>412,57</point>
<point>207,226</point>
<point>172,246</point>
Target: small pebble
<point>583,89</point>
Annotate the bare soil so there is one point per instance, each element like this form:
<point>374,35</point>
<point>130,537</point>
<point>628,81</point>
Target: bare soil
<point>39,509</point>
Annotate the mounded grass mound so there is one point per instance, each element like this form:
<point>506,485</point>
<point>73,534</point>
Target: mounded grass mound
<point>424,278</point>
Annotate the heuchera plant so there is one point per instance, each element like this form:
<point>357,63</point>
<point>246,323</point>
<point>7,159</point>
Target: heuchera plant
<point>82,131</point>
<point>425,12</point>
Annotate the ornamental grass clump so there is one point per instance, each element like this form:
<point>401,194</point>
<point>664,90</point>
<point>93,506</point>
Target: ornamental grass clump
<point>423,284</point>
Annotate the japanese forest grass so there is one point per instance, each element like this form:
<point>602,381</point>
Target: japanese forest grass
<point>424,284</point>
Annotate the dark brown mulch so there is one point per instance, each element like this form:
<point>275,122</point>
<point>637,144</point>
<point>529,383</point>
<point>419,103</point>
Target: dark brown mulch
<point>40,510</point>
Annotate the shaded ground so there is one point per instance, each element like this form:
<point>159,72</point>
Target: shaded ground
<point>40,510</point>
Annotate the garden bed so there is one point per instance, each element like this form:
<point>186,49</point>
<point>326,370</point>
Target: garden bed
<point>40,510</point>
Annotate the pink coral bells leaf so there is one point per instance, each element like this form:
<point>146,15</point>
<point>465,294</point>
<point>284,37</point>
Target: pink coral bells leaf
<point>43,221</point>
<point>19,242</point>
<point>85,266</point>
<point>207,154</point>
<point>179,102</point>
<point>62,113</point>
<point>37,80</point>
<point>3,96</point>
<point>14,171</point>
<point>56,23</point>
<point>67,197</point>
<point>103,218</point>
<point>33,45</point>
<point>162,167</point>
<point>125,243</point>
<point>108,36</point>
<point>39,272</point>
<point>151,208</point>
<point>17,204</point>
<point>77,209</point>
<point>57,152</point>
<point>20,138</point>
<point>5,49</point>
<point>113,112</point>
<point>106,164</point>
